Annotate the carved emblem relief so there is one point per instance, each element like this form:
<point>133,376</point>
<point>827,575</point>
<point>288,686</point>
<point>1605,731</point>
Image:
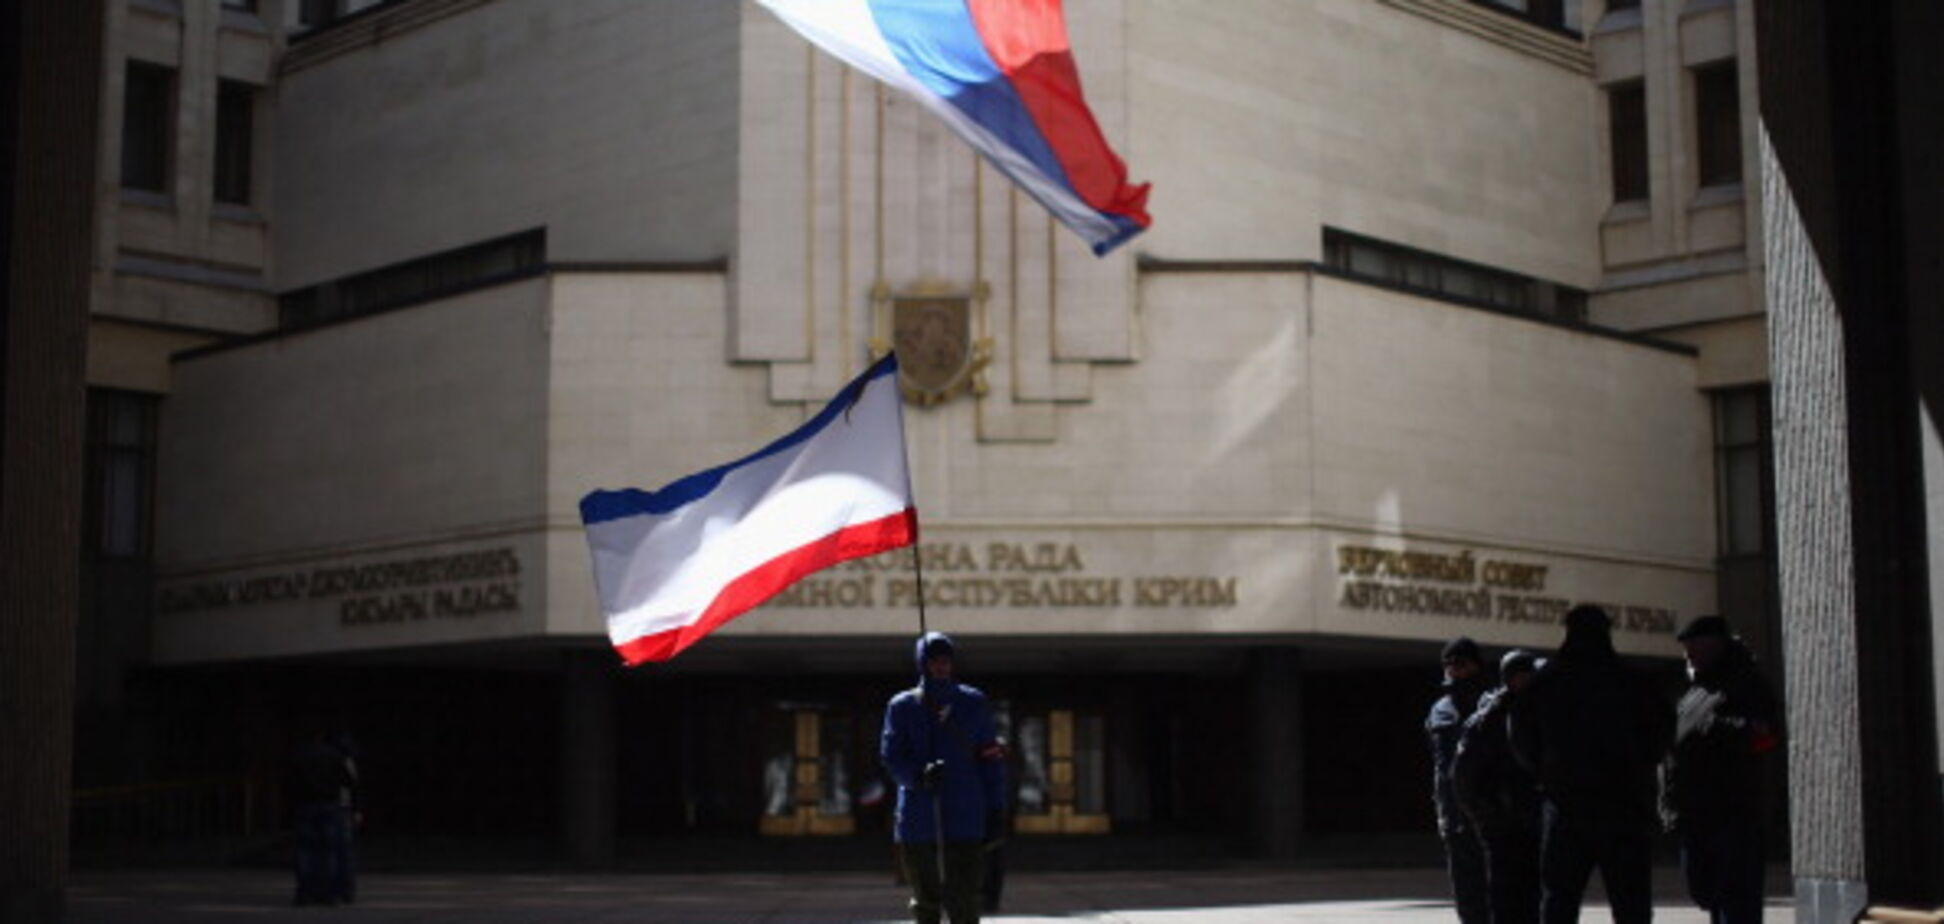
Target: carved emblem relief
<point>939,355</point>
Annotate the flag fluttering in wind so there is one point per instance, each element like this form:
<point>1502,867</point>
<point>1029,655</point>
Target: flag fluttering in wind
<point>1001,74</point>
<point>672,565</point>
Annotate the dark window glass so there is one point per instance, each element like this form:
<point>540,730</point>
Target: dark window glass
<point>1627,118</point>
<point>423,279</point>
<point>148,126</point>
<point>1717,124</point>
<point>1622,5</point>
<point>235,118</point>
<point>1444,277</point>
<point>319,12</point>
<point>121,463</point>
<point>247,6</point>
<point>1741,470</point>
<point>1558,14</point>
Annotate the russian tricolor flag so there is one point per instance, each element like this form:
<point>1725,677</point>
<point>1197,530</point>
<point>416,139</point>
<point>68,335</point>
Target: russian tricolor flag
<point>1001,75</point>
<point>672,565</point>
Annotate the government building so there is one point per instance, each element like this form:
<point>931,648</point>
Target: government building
<point>1451,316</point>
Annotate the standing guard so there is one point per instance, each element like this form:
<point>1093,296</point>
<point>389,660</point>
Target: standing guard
<point>940,746</point>
<point>1464,681</point>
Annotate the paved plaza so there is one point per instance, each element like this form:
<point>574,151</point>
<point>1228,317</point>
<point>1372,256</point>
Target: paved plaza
<point>1234,895</point>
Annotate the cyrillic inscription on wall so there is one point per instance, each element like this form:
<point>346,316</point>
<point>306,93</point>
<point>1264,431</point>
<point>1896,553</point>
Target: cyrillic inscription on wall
<point>461,585</point>
<point>1463,586</point>
<point>999,575</point>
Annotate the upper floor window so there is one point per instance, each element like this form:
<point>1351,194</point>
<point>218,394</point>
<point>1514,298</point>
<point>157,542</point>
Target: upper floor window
<point>148,126</point>
<point>437,276</point>
<point>246,6</point>
<point>121,463</point>
<point>1558,14</point>
<point>1627,127</point>
<point>1444,277</point>
<point>1613,5</point>
<point>1717,124</point>
<point>1741,469</point>
<point>235,121</point>
<point>314,13</point>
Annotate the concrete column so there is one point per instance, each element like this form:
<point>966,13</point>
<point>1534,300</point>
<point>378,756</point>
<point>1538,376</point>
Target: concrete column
<point>587,757</point>
<point>1278,685</point>
<point>50,62</point>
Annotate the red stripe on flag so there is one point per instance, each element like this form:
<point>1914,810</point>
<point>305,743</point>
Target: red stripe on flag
<point>747,592</point>
<point>1028,40</point>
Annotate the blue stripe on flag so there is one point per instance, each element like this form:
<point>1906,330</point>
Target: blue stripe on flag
<point>939,46</point>
<point>601,506</point>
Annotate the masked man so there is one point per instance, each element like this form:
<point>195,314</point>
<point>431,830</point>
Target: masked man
<point>940,746</point>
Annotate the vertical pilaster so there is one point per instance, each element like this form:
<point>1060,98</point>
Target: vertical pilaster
<point>1278,715</point>
<point>587,757</point>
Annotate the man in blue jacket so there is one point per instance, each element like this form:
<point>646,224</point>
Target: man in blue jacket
<point>940,747</point>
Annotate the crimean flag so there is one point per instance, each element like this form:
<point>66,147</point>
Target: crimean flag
<point>1001,74</point>
<point>672,565</point>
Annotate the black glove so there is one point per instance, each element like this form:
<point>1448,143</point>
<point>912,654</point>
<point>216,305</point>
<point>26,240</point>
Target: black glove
<point>932,775</point>
<point>995,830</point>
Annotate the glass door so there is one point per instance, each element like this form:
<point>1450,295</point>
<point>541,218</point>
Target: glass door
<point>806,780</point>
<point>1062,773</point>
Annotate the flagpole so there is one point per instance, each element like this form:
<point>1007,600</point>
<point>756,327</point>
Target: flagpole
<point>918,562</point>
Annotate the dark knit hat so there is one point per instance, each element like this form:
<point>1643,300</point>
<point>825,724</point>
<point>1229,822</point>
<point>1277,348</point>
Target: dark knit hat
<point>1463,647</point>
<point>1704,626</point>
<point>1518,661</point>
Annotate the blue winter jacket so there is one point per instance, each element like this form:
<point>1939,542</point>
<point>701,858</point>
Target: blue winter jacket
<point>952,723</point>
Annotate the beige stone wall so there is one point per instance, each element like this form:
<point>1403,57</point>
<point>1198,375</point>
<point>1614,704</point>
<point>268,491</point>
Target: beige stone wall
<point>1260,122</point>
<point>611,123</point>
<point>406,427</point>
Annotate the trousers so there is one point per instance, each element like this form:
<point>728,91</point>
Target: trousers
<point>957,898</point>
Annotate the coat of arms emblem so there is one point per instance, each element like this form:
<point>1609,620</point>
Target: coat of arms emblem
<point>938,356</point>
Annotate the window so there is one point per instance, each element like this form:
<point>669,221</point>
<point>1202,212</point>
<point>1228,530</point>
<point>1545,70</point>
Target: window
<point>426,278</point>
<point>1741,470</point>
<point>121,462</point>
<point>1627,120</point>
<point>1613,5</point>
<point>1717,124</point>
<point>1558,14</point>
<point>315,13</point>
<point>1444,277</point>
<point>148,126</point>
<point>246,6</point>
<point>235,116</point>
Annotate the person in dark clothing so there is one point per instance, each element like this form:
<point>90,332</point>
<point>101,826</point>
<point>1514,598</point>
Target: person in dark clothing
<point>1464,682</point>
<point>1593,732</point>
<point>1500,796</point>
<point>1713,796</point>
<point>321,788</point>
<point>940,746</point>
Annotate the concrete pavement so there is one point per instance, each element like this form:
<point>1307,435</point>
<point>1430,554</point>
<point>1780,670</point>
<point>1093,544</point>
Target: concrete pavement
<point>1242,895</point>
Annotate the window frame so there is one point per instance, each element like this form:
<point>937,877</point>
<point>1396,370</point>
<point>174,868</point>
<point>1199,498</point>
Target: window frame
<point>1717,134</point>
<point>161,125</point>
<point>1629,158</point>
<point>242,164</point>
<point>103,449</point>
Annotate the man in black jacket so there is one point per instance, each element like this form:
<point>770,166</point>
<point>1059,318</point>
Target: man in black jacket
<point>1464,852</point>
<point>1725,726</point>
<point>1501,797</point>
<point>1593,732</point>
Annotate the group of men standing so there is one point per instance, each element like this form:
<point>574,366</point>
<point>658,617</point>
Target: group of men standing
<point>1576,762</point>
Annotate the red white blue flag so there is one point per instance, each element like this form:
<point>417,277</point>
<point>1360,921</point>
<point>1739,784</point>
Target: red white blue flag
<point>1001,75</point>
<point>670,566</point>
